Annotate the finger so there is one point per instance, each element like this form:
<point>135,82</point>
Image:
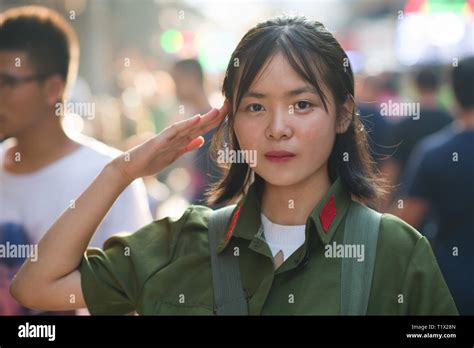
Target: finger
<point>203,127</point>
<point>209,116</point>
<point>209,119</point>
<point>225,107</point>
<point>182,129</point>
<point>177,128</point>
<point>185,139</point>
<point>222,111</point>
<point>194,144</point>
<point>177,150</point>
<point>213,116</point>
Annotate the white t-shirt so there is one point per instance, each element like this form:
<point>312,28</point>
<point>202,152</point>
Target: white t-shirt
<point>32,202</point>
<point>287,238</point>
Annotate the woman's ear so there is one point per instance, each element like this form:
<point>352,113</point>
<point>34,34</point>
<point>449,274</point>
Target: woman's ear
<point>345,118</point>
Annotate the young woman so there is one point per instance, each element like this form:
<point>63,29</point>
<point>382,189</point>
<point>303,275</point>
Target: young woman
<point>289,93</point>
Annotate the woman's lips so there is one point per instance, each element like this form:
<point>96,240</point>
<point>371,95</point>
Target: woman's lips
<point>279,156</point>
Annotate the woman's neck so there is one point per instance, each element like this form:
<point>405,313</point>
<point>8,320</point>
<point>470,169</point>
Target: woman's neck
<point>291,205</point>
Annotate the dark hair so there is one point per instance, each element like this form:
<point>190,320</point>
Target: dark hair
<point>190,66</point>
<point>462,77</point>
<point>46,37</point>
<point>317,57</point>
<point>428,78</point>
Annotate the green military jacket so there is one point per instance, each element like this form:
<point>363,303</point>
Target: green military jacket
<point>165,267</point>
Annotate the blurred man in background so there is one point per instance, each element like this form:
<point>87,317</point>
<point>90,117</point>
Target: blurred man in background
<point>42,169</point>
<point>439,178</point>
<point>431,119</point>
<point>189,80</point>
<point>367,89</point>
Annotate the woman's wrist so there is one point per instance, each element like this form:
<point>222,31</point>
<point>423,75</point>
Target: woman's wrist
<point>114,171</point>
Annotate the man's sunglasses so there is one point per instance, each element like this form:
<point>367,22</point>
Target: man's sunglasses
<point>12,81</point>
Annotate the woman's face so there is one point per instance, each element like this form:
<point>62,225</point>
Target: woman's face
<point>283,119</point>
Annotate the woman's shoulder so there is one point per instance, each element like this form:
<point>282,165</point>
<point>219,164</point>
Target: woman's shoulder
<point>167,231</point>
<point>398,239</point>
<point>398,231</point>
<point>155,245</point>
<point>194,218</point>
<point>407,278</point>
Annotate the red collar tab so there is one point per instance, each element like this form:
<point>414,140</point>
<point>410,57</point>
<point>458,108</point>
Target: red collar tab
<point>328,213</point>
<point>232,223</point>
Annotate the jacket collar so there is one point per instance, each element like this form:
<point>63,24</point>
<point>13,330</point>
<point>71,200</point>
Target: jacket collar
<point>325,216</point>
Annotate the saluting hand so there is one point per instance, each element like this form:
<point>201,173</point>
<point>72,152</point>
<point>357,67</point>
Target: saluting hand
<point>163,149</point>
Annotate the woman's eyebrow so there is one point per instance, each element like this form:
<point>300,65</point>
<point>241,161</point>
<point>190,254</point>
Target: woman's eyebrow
<point>294,92</point>
<point>254,94</point>
<point>301,90</point>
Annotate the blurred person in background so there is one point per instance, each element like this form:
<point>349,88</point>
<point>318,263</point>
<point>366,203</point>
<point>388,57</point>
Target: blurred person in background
<point>378,128</point>
<point>43,170</point>
<point>432,117</point>
<point>388,84</point>
<point>439,178</point>
<point>189,80</point>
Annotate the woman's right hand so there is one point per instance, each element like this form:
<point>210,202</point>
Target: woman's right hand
<point>49,284</point>
<point>163,149</point>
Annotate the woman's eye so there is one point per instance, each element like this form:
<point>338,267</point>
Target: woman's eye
<point>302,105</point>
<point>254,107</point>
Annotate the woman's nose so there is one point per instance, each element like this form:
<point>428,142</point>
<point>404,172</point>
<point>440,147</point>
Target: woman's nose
<point>278,126</point>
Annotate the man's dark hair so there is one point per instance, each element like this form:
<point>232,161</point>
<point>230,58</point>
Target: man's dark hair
<point>428,78</point>
<point>462,79</point>
<point>192,67</point>
<point>47,38</point>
